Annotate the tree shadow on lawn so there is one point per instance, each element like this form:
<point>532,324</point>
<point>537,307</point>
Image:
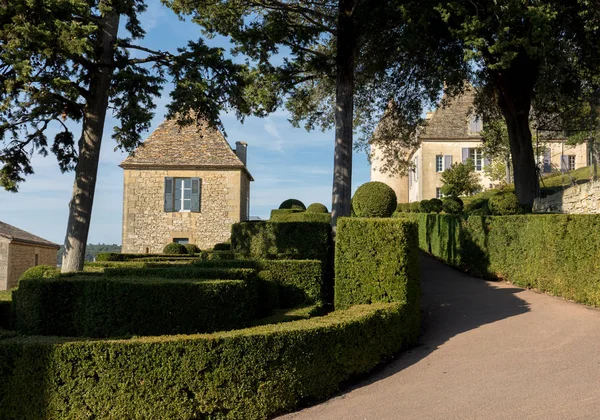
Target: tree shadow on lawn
<point>452,302</point>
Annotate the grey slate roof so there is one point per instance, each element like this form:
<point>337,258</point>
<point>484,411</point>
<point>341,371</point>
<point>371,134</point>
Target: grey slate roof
<point>452,121</point>
<point>19,235</point>
<point>192,145</point>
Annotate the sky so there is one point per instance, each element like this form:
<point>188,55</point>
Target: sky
<point>286,162</point>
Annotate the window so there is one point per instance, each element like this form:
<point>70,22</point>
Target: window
<point>567,163</point>
<point>476,155</point>
<point>442,162</point>
<point>36,261</point>
<point>475,124</point>
<point>182,241</point>
<point>438,193</point>
<point>182,194</point>
<point>571,162</point>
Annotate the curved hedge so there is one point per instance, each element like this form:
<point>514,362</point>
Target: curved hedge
<point>504,204</point>
<point>253,373</point>
<point>374,199</point>
<point>292,203</point>
<point>175,248</point>
<point>317,208</point>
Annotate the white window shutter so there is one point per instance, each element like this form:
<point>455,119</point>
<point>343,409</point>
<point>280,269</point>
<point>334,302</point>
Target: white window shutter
<point>465,154</point>
<point>169,191</point>
<point>196,194</point>
<point>447,161</point>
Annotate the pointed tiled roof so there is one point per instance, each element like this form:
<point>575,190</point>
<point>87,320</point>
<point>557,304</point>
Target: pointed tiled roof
<point>15,234</point>
<point>452,121</point>
<point>170,145</point>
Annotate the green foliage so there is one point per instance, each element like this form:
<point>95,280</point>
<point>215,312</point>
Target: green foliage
<point>403,208</point>
<point>115,257</point>
<point>424,206</point>
<point>40,272</point>
<point>6,309</point>
<point>300,216</point>
<point>278,213</point>
<point>99,306</point>
<point>253,373</point>
<point>415,207</point>
<point>452,205</point>
<point>435,205</point>
<point>192,249</point>
<point>91,251</point>
<point>299,282</point>
<point>180,272</point>
<point>280,240</point>
<point>222,246</point>
<point>377,260</point>
<point>317,208</point>
<point>175,248</point>
<point>504,204</point>
<point>374,199</point>
<point>292,204</point>
<point>460,179</point>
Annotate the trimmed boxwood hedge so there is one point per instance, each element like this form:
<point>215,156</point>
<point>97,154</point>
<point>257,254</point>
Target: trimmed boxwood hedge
<point>281,240</point>
<point>301,216</point>
<point>99,306</point>
<point>376,260</point>
<point>5,309</point>
<point>182,272</point>
<point>299,282</point>
<point>254,373</point>
<point>115,256</point>
<point>554,253</point>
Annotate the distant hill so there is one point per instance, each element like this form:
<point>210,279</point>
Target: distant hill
<point>91,251</point>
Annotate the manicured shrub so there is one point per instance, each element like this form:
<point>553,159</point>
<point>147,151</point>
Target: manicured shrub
<point>376,260</point>
<point>292,203</point>
<point>299,282</point>
<point>102,306</point>
<point>403,208</point>
<point>192,249</point>
<point>452,205</point>
<point>481,211</point>
<point>317,208</point>
<point>5,309</point>
<point>435,205</point>
<point>117,257</point>
<point>40,272</point>
<point>504,204</point>
<point>415,207</point>
<point>424,206</point>
<point>174,248</point>
<point>254,373</point>
<point>222,246</point>
<point>280,240</point>
<point>181,272</point>
<point>374,199</point>
<point>303,216</point>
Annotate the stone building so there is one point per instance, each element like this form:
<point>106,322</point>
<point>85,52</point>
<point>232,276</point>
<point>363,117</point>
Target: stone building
<point>186,185</point>
<point>452,134</point>
<point>20,250</point>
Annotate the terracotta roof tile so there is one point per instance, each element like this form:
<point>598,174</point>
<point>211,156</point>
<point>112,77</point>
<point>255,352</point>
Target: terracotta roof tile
<point>191,145</point>
<point>19,235</point>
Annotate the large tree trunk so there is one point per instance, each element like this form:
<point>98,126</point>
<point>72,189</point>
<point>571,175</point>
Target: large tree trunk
<point>80,207</point>
<point>344,112</point>
<point>515,90</point>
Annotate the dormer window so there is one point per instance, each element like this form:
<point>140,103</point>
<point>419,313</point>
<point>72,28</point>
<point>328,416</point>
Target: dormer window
<point>475,124</point>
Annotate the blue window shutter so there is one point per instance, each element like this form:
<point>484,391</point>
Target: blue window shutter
<point>547,161</point>
<point>196,194</point>
<point>465,154</point>
<point>168,194</point>
<point>447,161</point>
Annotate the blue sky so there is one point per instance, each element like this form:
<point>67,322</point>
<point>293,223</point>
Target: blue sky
<point>286,162</point>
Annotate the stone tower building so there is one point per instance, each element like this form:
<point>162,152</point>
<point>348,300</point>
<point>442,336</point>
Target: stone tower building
<point>186,185</point>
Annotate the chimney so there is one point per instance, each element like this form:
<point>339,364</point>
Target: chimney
<point>241,150</point>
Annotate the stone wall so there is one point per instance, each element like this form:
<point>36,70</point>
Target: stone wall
<point>148,228</point>
<point>580,199</point>
<point>21,256</point>
<point>4,263</point>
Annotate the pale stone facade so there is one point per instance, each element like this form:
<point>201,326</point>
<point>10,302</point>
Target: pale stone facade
<point>580,199</point>
<point>452,134</point>
<point>20,250</point>
<point>152,218</point>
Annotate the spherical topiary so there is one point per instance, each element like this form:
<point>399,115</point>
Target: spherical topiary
<point>403,208</point>
<point>374,199</point>
<point>415,207</point>
<point>40,272</point>
<point>192,249</point>
<point>174,248</point>
<point>504,203</point>
<point>452,205</point>
<point>317,208</point>
<point>292,203</point>
<point>436,205</point>
<point>424,206</point>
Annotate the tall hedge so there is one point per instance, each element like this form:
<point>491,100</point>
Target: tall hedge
<point>554,253</point>
<point>252,374</point>
<point>376,260</point>
<point>298,281</point>
<point>100,306</point>
<point>281,240</point>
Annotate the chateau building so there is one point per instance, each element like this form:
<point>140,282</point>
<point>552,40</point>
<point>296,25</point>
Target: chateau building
<point>186,185</point>
<point>453,134</point>
<point>20,250</point>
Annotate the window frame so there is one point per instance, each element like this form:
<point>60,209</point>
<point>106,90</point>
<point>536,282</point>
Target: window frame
<point>439,163</point>
<point>182,198</point>
<point>476,154</point>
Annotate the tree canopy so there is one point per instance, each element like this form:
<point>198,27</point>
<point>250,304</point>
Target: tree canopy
<point>460,179</point>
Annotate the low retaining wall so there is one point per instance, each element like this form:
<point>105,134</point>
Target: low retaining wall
<point>580,199</point>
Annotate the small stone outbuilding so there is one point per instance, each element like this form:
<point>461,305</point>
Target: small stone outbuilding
<point>186,185</point>
<point>20,250</point>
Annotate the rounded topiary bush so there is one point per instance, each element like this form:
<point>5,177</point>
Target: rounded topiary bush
<point>374,199</point>
<point>317,208</point>
<point>292,203</point>
<point>481,211</point>
<point>192,249</point>
<point>435,205</point>
<point>40,272</point>
<point>452,205</point>
<point>424,206</point>
<point>504,204</point>
<point>174,248</point>
<point>403,208</point>
<point>415,207</point>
